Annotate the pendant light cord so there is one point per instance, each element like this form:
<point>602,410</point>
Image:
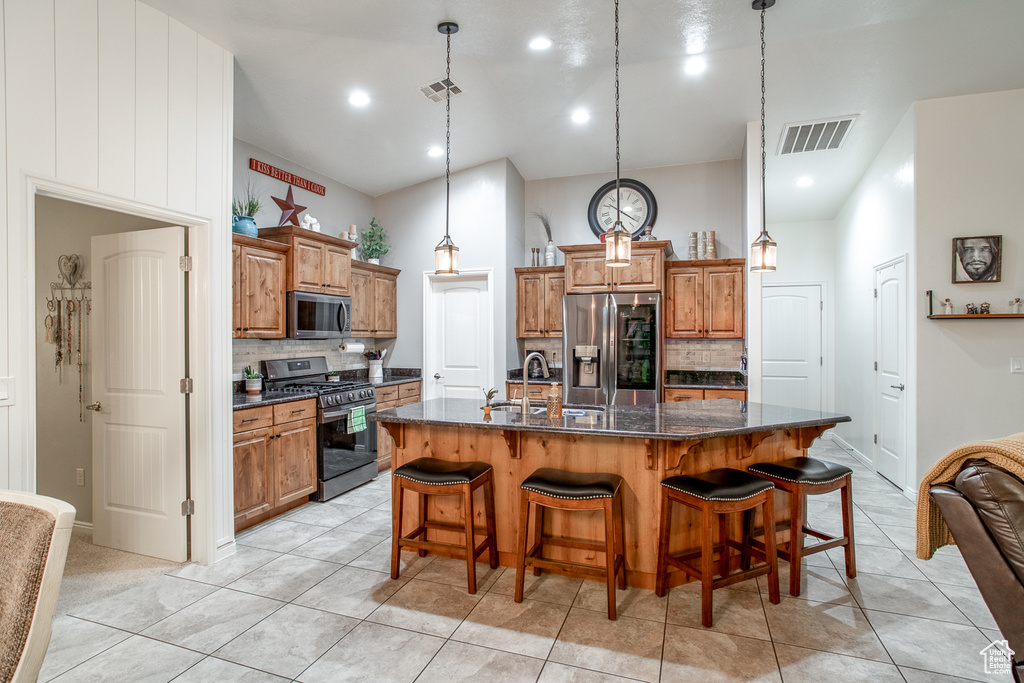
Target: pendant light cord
<point>618,198</point>
<point>764,224</point>
<point>448,133</point>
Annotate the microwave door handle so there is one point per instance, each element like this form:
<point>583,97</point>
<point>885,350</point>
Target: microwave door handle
<point>342,317</point>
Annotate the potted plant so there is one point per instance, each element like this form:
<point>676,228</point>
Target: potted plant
<point>375,242</point>
<point>253,380</point>
<point>334,376</point>
<point>243,210</point>
<point>488,395</point>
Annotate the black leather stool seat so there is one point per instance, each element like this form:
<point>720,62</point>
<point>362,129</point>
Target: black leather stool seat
<point>548,481</point>
<point>802,470</point>
<point>435,472</point>
<point>723,484</point>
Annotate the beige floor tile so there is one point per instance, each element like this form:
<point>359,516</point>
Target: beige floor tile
<point>918,676</point>
<point>631,602</point>
<point>279,535</point>
<point>801,664</point>
<point>951,649</point>
<point>324,514</point>
<point>883,514</point>
<point>560,673</point>
<point>351,591</point>
<point>245,560</point>
<point>946,568</point>
<point>831,627</point>
<point>426,607</point>
<point>364,496</point>
<point>337,545</point>
<point>624,647</point>
<point>739,613</point>
<point>702,655</point>
<point>372,652</point>
<point>818,584</point>
<point>527,628</point>
<point>555,588</point>
<point>285,578</point>
<point>213,669</point>
<point>137,659</point>
<point>146,604</point>
<point>464,662</point>
<point>904,538</point>
<point>214,620</point>
<point>882,561</point>
<point>73,641</point>
<point>452,572</point>
<point>378,559</point>
<point>904,596</point>
<point>287,641</point>
<point>376,522</point>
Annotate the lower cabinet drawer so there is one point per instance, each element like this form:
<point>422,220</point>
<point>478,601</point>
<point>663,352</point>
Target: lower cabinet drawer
<point>387,394</point>
<point>737,394</point>
<point>409,389</point>
<point>253,418</point>
<point>294,410</point>
<point>674,395</point>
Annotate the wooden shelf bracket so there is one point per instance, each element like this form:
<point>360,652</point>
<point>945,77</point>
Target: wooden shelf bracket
<point>749,442</point>
<point>683,448</point>
<point>512,441</point>
<point>396,430</point>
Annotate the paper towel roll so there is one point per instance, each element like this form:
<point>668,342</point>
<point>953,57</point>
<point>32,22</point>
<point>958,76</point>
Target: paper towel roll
<point>352,348</point>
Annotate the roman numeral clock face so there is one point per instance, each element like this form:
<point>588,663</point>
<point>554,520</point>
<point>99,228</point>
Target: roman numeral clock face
<point>636,207</point>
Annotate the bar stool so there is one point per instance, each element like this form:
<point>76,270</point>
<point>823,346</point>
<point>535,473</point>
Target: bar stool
<point>552,488</point>
<point>802,477</point>
<point>716,492</point>
<point>434,477</point>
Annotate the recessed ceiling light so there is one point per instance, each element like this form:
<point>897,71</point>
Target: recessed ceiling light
<point>435,152</point>
<point>580,116</point>
<point>359,99</point>
<point>540,43</point>
<point>804,181</point>
<point>695,65</point>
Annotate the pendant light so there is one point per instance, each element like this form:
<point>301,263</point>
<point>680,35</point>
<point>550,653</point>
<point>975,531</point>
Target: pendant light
<point>762,251</point>
<point>446,254</point>
<point>618,241</point>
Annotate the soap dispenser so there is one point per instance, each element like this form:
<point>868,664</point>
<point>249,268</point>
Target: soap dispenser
<point>554,403</point>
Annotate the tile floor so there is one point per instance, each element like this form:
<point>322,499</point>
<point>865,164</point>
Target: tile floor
<point>307,597</point>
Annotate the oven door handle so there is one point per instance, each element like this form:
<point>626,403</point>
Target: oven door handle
<point>338,413</point>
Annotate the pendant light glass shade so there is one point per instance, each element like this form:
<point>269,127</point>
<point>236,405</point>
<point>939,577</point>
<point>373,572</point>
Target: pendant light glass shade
<point>762,251</point>
<point>762,254</point>
<point>618,244</point>
<point>446,257</point>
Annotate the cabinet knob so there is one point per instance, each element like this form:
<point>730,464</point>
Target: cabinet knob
<point>245,329</point>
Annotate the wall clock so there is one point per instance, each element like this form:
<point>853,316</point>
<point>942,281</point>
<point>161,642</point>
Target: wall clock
<point>639,209</point>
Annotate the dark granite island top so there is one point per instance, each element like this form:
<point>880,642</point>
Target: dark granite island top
<point>663,421</point>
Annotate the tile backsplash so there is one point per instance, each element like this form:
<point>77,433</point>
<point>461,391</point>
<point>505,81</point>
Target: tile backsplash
<point>252,351</point>
<point>688,354</point>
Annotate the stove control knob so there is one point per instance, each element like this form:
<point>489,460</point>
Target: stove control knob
<point>351,396</point>
<point>362,394</point>
<point>331,400</point>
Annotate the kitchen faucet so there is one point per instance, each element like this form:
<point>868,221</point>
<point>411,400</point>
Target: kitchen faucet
<point>526,387</point>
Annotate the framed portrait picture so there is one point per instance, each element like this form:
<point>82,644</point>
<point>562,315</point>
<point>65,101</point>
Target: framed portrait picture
<point>977,259</point>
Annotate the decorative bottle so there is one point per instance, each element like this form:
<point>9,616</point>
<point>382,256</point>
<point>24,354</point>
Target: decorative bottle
<point>549,254</point>
<point>554,403</point>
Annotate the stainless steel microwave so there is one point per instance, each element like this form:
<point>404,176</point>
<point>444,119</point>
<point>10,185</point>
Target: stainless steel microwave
<point>319,316</point>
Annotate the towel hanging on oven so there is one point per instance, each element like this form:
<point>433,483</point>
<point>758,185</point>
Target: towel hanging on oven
<point>356,420</point>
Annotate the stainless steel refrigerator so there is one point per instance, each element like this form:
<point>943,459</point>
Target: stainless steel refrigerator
<point>611,348</point>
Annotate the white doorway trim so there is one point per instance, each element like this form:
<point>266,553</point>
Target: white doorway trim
<point>909,464</point>
<point>429,320</point>
<point>210,470</point>
<point>827,370</point>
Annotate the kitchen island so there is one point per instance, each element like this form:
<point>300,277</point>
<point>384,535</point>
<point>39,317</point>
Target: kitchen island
<point>643,444</point>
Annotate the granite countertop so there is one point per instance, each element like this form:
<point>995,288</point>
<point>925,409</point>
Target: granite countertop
<point>267,398</point>
<point>705,379</point>
<point>516,375</point>
<point>665,421</point>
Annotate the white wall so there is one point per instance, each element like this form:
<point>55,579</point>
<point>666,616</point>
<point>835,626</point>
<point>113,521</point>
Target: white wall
<point>690,198</point>
<point>339,207</point>
<point>515,254</point>
<point>117,100</point>
<point>63,443</point>
<point>876,224</point>
<point>414,220</point>
<point>969,171</point>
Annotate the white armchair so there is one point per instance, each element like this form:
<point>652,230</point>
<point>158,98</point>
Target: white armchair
<point>34,535</point>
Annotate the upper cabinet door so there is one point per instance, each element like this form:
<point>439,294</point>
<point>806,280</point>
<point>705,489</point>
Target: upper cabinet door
<point>685,309</point>
<point>554,288</point>
<point>643,274</point>
<point>362,302</point>
<point>263,275</point>
<point>385,303</point>
<point>723,302</point>
<point>586,272</point>
<point>236,291</point>
<point>307,266</point>
<point>530,305</point>
<point>336,270</point>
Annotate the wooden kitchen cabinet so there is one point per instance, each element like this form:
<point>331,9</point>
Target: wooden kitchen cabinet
<point>317,263</point>
<point>673,394</point>
<point>392,397</point>
<point>374,300</point>
<point>585,271</point>
<point>704,299</point>
<point>258,288</point>
<point>538,391</point>
<point>539,301</point>
<point>274,460</point>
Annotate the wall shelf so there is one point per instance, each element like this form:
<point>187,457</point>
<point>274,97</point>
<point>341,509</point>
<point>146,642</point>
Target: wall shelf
<point>977,316</point>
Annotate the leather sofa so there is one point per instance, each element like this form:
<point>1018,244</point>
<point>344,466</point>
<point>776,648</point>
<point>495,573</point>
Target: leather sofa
<point>984,510</point>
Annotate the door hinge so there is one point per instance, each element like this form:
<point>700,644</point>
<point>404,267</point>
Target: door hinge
<point>876,366</point>
<point>821,360</point>
<point>188,507</point>
<point>876,438</point>
<point>876,292</point>
<point>821,305</point>
<point>185,263</point>
<point>185,385</point>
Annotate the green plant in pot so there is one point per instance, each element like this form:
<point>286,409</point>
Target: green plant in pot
<point>334,376</point>
<point>243,209</point>
<point>375,242</point>
<point>488,395</point>
<point>253,380</point>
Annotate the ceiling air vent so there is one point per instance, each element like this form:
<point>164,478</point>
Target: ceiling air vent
<point>435,91</point>
<point>814,135</point>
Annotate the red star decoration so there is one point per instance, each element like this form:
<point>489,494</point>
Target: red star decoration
<point>289,209</point>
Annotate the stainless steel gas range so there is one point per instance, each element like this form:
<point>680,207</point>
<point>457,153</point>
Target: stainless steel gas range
<point>345,457</point>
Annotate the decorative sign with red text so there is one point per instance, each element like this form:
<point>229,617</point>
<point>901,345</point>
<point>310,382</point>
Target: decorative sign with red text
<point>285,176</point>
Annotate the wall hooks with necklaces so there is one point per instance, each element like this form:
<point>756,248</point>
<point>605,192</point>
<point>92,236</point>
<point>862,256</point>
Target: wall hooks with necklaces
<point>66,328</point>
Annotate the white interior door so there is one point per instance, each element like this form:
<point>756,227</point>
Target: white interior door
<point>792,361</point>
<point>890,448</point>
<point>459,337</point>
<point>138,432</point>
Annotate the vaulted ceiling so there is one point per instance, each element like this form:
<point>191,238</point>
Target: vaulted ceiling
<point>297,63</point>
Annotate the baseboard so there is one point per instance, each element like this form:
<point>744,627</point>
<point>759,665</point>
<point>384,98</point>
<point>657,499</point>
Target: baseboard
<point>224,551</point>
<point>866,461</point>
<point>910,493</point>
<point>84,526</point>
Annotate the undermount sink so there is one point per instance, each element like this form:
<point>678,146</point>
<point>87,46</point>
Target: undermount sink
<point>515,407</point>
<point>588,411</point>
